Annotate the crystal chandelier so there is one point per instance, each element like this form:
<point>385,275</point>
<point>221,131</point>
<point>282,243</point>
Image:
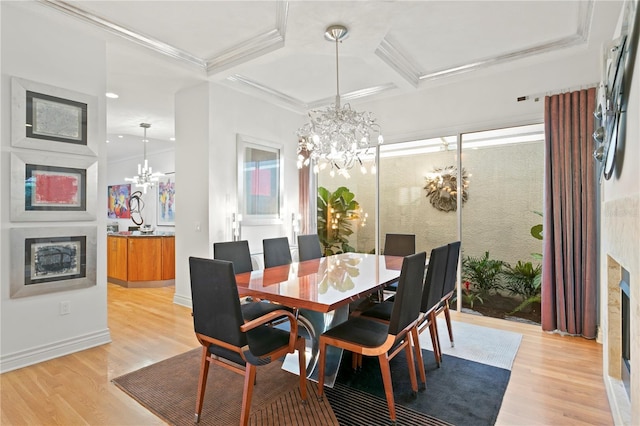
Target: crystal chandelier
<point>338,135</point>
<point>145,177</point>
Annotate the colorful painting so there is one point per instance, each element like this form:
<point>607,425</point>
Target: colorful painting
<point>166,201</point>
<point>118,198</point>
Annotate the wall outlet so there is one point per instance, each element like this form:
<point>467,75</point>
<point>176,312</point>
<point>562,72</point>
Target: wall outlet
<point>65,307</point>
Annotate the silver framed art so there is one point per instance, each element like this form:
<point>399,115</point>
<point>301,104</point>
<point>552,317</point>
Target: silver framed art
<point>47,260</point>
<point>260,179</point>
<point>49,187</point>
<point>54,119</point>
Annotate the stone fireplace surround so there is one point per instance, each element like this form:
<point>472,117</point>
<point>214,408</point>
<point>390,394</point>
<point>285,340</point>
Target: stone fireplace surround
<point>620,244</point>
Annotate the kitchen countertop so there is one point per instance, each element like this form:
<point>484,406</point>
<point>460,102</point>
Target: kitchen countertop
<point>141,234</point>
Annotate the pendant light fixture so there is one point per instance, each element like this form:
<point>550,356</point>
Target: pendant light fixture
<point>145,178</point>
<point>338,135</point>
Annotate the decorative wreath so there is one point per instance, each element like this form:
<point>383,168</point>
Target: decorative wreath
<point>442,186</point>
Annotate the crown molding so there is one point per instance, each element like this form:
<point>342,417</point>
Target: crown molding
<point>124,32</point>
<point>262,90</point>
<point>585,11</point>
<point>240,53</point>
<point>352,96</point>
<point>400,62</point>
<point>507,57</point>
<point>253,47</point>
<point>298,105</point>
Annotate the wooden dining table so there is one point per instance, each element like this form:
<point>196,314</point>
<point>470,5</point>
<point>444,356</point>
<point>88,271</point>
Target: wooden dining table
<point>320,291</point>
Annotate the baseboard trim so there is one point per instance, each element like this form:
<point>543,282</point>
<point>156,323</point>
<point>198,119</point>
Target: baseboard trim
<point>618,401</point>
<point>182,300</point>
<point>53,350</point>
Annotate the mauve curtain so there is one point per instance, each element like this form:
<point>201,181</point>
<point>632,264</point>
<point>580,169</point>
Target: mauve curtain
<point>569,263</point>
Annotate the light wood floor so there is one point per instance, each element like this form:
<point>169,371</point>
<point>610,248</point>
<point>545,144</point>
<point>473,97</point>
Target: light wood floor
<point>555,380</point>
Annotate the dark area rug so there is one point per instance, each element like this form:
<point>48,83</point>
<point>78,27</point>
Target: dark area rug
<point>460,392</point>
<point>168,389</point>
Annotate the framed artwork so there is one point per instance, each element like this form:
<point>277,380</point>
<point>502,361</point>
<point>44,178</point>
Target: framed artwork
<point>166,207</point>
<point>260,178</point>
<point>50,118</point>
<point>118,201</point>
<point>46,260</point>
<point>48,187</point>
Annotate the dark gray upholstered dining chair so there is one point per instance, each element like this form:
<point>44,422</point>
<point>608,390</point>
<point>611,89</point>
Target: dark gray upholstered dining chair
<point>276,252</point>
<point>429,301</point>
<point>230,342</point>
<point>364,336</point>
<point>237,252</point>
<point>309,247</point>
<point>398,245</point>
<point>449,286</point>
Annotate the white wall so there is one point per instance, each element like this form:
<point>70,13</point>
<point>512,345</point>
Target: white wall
<point>235,113</point>
<point>36,47</point>
<point>208,119</point>
<point>620,230</point>
<point>196,176</point>
<point>116,172</point>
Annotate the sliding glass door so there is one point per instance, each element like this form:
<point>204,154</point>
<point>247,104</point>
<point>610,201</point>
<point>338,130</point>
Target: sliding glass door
<point>416,196</point>
<point>483,188</point>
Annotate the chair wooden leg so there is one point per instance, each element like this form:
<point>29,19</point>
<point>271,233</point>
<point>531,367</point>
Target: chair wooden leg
<point>435,341</point>
<point>354,361</point>
<point>302,365</point>
<point>419,360</point>
<point>447,316</point>
<point>323,352</point>
<point>249,380</point>
<point>412,366</point>
<point>202,382</point>
<point>434,324</point>
<point>388,387</point>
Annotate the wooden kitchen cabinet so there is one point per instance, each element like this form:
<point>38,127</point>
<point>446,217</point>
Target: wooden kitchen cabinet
<point>117,258</point>
<point>168,258</point>
<point>141,260</point>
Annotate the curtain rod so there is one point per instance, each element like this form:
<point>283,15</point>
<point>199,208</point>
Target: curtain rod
<point>537,96</point>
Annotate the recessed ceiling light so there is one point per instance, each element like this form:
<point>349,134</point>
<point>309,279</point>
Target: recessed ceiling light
<point>107,140</point>
<point>172,139</point>
<point>120,136</point>
<point>112,95</point>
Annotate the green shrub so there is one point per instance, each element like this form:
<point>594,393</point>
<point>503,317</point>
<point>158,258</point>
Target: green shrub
<point>524,280</point>
<point>483,273</point>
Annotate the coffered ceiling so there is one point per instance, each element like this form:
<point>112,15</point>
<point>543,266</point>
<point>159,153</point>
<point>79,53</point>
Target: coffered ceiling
<point>276,49</point>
